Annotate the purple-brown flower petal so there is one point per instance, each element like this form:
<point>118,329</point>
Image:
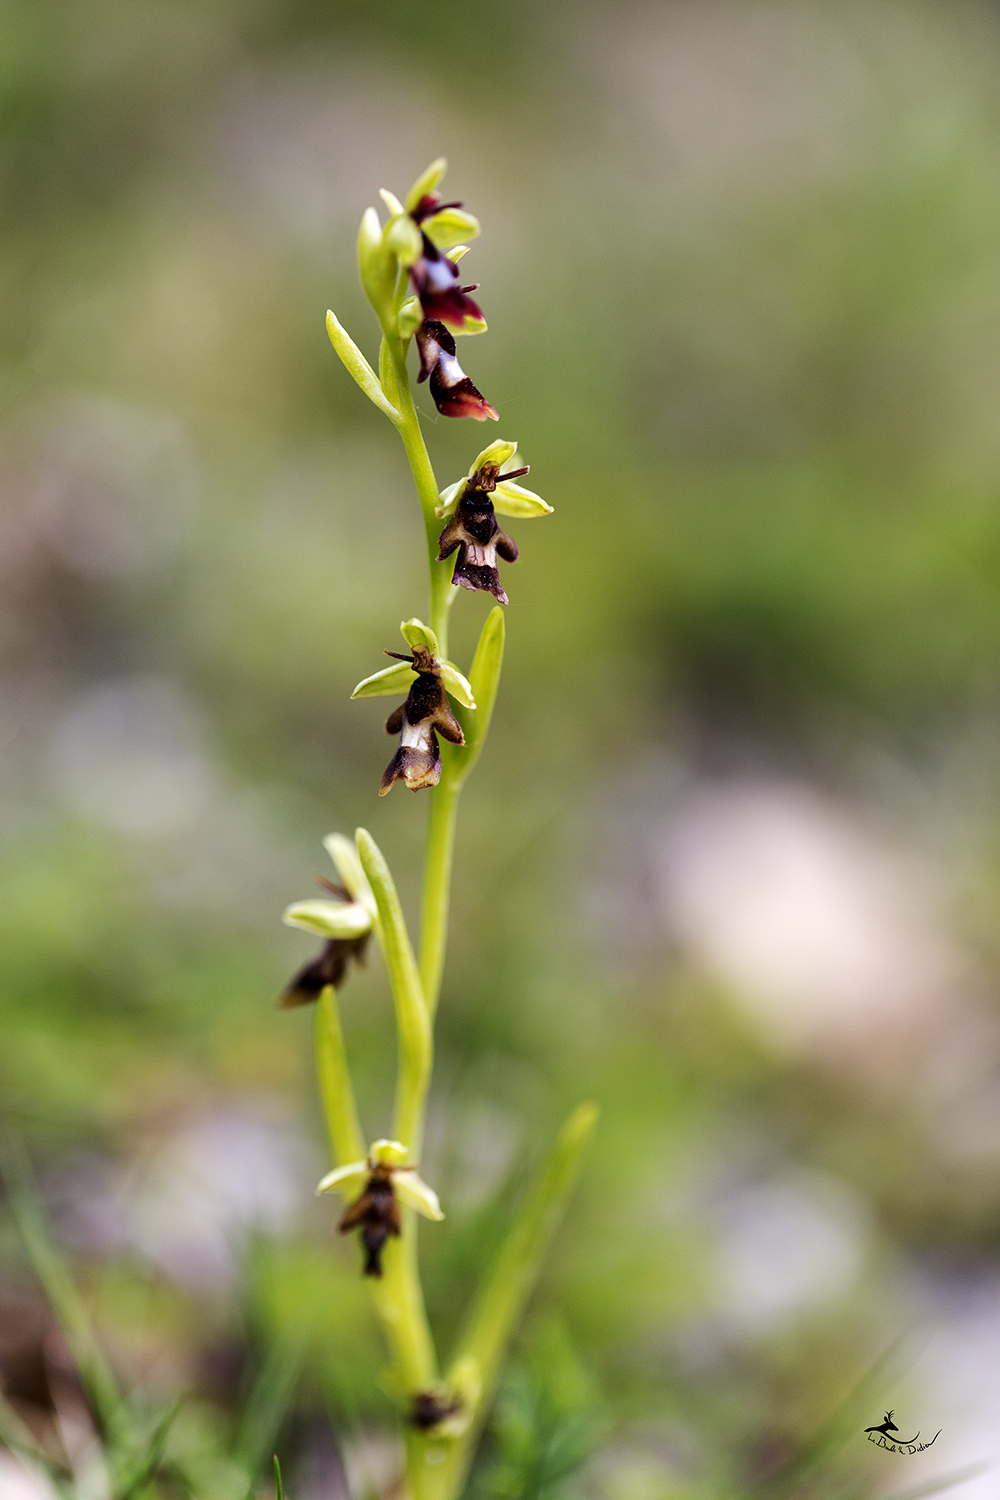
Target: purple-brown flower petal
<point>328,967</point>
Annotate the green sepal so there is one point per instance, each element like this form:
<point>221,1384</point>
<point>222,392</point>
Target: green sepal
<point>388,683</point>
<point>450,228</point>
<point>416,633</point>
<point>355,363</point>
<point>377,264</point>
<point>458,686</point>
<point>395,680</point>
<point>344,853</point>
<point>347,1179</point>
<point>449,499</point>
<point>512,499</point>
<point>426,183</point>
<point>499,452</point>
<point>329,919</point>
<point>391,202</point>
<point>402,237</point>
<point>414,1192</point>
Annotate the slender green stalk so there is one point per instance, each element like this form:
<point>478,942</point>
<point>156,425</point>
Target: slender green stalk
<point>399,1302</point>
<point>347,1141</point>
<point>408,425</point>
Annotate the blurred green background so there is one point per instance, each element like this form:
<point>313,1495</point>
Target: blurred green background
<point>730,863</point>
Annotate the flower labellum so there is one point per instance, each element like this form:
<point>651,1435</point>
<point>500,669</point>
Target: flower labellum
<point>418,721</point>
<point>330,966</point>
<point>453,392</point>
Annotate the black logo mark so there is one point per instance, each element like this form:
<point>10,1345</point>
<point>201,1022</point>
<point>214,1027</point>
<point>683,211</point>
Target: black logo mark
<point>897,1445</point>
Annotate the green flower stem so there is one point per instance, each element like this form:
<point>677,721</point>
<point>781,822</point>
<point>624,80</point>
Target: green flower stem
<point>397,1295</point>
<point>408,426</point>
<point>347,1141</point>
<point>412,1024</point>
<point>399,1302</point>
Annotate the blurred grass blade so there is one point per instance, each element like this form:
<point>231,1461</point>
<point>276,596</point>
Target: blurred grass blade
<point>57,1283</point>
<point>17,1437</point>
<point>412,1023</point>
<point>843,1424</point>
<point>135,1481</point>
<point>278,1486</point>
<point>510,1281</point>
<point>268,1401</point>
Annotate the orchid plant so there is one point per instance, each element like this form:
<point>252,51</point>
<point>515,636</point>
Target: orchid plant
<point>410,272</point>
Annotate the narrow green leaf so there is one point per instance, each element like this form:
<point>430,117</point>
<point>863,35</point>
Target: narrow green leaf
<point>518,1263</point>
<point>509,1283</point>
<point>356,365</point>
<point>16,1436</point>
<point>346,1139</point>
<point>136,1480</point>
<point>412,1024</point>
<point>278,1487</point>
<point>484,680</point>
<point>268,1400</point>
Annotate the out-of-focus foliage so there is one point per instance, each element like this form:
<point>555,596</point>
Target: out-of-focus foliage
<point>729,862</point>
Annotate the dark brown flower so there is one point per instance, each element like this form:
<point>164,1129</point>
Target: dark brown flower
<point>474,529</point>
<point>376,1214</point>
<point>328,967</point>
<point>418,721</point>
<point>384,1180</point>
<point>331,963</point>
<point>429,1408</point>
